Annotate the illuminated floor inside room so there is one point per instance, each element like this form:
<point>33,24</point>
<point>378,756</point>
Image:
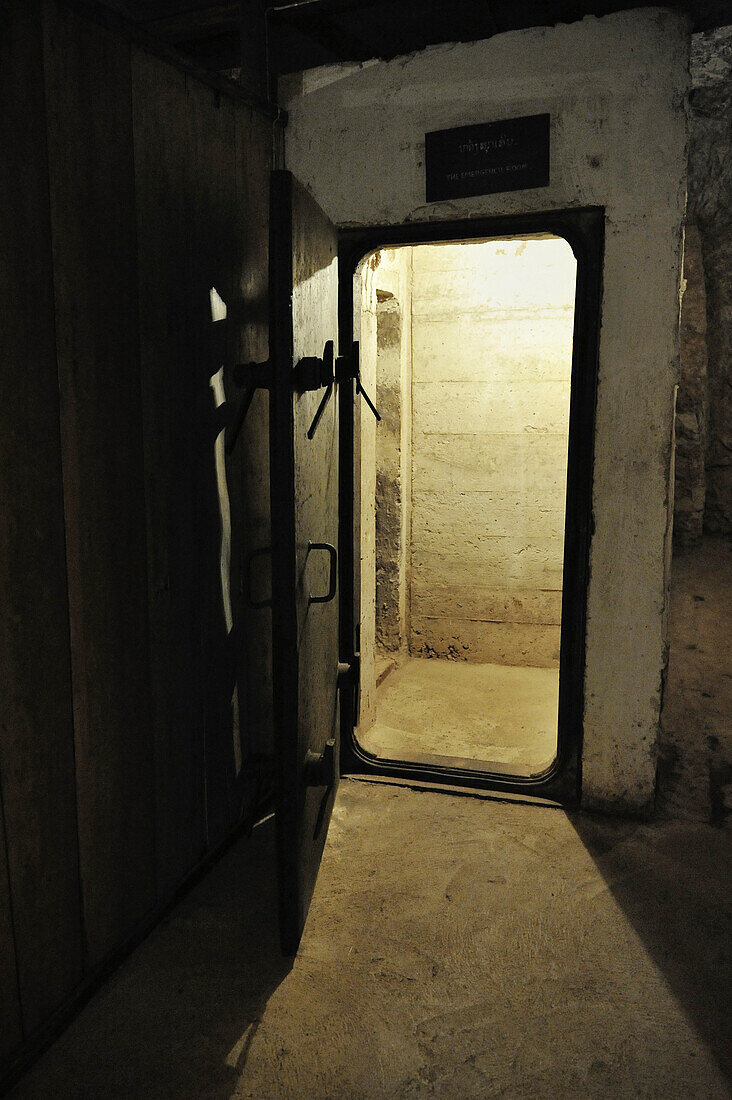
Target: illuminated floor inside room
<point>496,717</point>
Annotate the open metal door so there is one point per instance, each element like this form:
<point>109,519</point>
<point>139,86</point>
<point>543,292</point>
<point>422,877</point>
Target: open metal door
<point>304,501</point>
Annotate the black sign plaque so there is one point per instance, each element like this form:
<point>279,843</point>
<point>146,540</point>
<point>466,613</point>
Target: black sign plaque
<point>494,156</point>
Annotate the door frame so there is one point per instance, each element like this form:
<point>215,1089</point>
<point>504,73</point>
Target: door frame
<point>584,231</point>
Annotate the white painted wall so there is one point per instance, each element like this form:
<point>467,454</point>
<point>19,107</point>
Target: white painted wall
<point>616,91</point>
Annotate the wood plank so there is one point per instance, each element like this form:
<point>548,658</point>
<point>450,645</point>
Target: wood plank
<point>36,733</point>
<point>212,189</point>
<point>200,22</point>
<point>95,276</point>
<point>202,169</point>
<point>168,371</point>
<point>11,1031</point>
<point>249,463</point>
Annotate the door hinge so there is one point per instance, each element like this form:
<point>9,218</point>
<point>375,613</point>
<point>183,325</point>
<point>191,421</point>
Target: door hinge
<point>313,373</point>
<point>349,671</point>
<point>349,678</point>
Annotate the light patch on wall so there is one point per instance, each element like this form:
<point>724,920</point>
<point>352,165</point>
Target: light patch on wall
<point>218,305</point>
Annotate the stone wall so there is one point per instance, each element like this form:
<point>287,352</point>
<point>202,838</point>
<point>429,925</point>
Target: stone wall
<point>389,504</point>
<point>380,578</point>
<point>393,445</point>
<point>691,400</point>
<point>710,206</point>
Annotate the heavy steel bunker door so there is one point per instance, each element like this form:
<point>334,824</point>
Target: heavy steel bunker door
<point>304,501</point>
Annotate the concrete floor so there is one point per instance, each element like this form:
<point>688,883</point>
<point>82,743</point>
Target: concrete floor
<point>456,946</point>
<point>498,716</point>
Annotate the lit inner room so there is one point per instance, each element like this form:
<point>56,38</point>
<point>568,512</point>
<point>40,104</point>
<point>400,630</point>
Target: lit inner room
<point>468,349</point>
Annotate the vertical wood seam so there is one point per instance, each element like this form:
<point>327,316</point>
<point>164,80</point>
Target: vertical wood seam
<point>11,906</point>
<point>140,389</point>
<point>63,480</point>
<point>23,1028</point>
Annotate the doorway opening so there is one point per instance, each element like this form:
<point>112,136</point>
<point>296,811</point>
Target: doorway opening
<point>467,346</point>
<point>471,507</point>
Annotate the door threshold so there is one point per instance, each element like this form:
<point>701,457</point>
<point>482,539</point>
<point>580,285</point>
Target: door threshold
<point>462,792</point>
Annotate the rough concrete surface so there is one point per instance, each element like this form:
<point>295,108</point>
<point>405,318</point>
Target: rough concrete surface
<point>692,399</point>
<point>710,205</point>
<point>384,276</point>
<point>615,89</point>
<point>502,717</point>
<point>695,751</point>
<point>456,947</point>
<point>392,494</point>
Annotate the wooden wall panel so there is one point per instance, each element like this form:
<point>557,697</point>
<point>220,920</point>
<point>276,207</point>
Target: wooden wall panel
<point>36,736</point>
<point>211,137</point>
<point>249,463</point>
<point>169,397</point>
<point>118,759</point>
<point>11,1030</point>
<point>95,274</point>
<point>202,171</point>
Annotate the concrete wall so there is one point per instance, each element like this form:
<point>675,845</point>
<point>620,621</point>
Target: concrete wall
<point>389,505</point>
<point>393,446</point>
<point>692,400</point>
<point>615,89</point>
<point>383,277</point>
<point>710,206</point>
<point>492,358</point>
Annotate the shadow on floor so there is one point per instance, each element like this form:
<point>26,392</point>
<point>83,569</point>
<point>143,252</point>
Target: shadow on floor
<point>672,879</point>
<point>178,1019</point>
<point>672,883</point>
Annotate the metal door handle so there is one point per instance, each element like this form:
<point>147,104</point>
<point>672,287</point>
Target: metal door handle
<point>333,580</point>
<point>349,366</point>
<point>360,390</point>
<point>319,412</point>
